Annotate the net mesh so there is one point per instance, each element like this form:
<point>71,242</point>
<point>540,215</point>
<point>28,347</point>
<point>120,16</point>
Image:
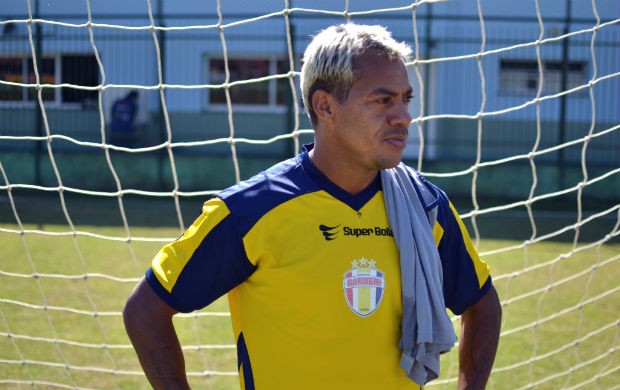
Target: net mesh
<point>60,320</point>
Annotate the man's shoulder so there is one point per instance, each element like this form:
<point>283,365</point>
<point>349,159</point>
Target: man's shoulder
<point>422,183</point>
<point>265,190</point>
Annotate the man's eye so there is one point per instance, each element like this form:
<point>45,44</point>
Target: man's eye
<point>408,99</point>
<point>385,100</point>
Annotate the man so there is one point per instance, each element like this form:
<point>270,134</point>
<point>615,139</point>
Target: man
<point>122,131</point>
<point>305,250</point>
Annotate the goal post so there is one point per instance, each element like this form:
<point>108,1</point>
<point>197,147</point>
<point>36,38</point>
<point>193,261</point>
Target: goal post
<point>515,116</point>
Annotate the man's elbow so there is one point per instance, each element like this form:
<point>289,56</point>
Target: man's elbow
<point>131,314</point>
<point>494,307</point>
<point>145,307</point>
<point>137,307</point>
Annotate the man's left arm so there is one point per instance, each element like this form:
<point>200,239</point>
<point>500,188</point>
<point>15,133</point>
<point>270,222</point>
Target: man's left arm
<point>480,328</point>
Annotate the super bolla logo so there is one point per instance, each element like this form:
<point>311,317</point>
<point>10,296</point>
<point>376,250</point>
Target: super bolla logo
<point>364,286</point>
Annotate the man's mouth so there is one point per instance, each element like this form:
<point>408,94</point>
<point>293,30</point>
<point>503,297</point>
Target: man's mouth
<point>398,140</point>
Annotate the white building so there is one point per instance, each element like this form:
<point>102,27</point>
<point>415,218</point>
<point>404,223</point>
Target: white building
<point>485,60</point>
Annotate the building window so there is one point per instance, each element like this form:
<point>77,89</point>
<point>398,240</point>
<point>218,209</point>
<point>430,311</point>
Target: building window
<point>79,70</point>
<point>70,69</point>
<point>21,70</point>
<point>522,76</point>
<point>273,92</point>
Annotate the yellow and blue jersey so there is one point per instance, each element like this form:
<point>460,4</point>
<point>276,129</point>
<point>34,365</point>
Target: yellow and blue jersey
<point>312,275</point>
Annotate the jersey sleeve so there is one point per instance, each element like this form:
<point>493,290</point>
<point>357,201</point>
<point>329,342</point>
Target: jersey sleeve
<point>206,262</point>
<point>466,277</point>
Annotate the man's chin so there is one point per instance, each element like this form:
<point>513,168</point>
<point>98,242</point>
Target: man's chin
<point>391,162</point>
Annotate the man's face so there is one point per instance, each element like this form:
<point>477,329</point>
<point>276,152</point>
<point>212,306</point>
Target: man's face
<point>372,123</point>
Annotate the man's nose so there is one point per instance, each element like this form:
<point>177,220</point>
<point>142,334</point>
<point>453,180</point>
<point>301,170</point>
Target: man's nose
<point>401,116</point>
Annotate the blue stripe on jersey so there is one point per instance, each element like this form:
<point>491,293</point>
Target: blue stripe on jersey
<point>432,188</point>
<point>222,265</point>
<point>283,182</point>
<point>254,197</point>
<point>453,252</point>
<point>243,363</point>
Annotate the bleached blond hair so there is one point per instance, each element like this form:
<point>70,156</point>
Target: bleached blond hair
<point>329,60</point>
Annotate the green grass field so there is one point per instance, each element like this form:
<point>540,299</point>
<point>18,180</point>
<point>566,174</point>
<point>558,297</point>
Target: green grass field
<point>560,328</point>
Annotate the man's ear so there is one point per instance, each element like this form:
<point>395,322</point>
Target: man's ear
<point>322,103</point>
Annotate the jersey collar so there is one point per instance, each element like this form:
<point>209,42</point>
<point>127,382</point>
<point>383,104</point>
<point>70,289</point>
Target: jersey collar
<point>356,202</point>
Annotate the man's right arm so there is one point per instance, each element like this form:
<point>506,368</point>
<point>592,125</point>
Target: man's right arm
<point>148,321</point>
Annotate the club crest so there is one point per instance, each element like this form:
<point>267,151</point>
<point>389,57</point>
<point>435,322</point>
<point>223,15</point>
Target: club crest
<point>364,286</point>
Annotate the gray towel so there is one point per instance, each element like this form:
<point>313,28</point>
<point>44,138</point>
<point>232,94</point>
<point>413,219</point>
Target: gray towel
<point>426,328</point>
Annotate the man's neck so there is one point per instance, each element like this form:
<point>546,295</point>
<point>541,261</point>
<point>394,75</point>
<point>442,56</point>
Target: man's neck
<point>351,179</point>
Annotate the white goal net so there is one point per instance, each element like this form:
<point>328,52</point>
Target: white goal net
<point>516,116</point>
